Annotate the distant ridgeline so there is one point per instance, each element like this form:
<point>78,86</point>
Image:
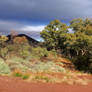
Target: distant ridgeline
<point>32,41</point>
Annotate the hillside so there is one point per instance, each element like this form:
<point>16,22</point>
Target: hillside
<point>30,39</point>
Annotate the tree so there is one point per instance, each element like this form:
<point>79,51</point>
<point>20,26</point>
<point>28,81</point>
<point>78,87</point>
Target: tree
<point>83,42</point>
<point>51,33</point>
<point>83,32</point>
<point>81,25</point>
<point>76,45</point>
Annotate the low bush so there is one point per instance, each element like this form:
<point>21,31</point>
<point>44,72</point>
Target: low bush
<point>46,67</point>
<point>20,47</point>
<point>19,63</point>
<point>17,73</point>
<point>25,76</point>
<point>4,68</point>
<point>39,52</point>
<point>42,78</point>
<point>3,48</point>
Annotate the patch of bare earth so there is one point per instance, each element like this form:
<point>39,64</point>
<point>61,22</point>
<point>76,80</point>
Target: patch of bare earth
<point>10,84</point>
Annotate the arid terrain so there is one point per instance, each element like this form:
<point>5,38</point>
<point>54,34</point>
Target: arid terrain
<point>17,85</point>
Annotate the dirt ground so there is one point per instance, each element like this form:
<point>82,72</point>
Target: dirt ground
<point>18,85</point>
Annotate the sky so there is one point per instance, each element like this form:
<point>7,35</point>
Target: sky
<point>31,16</point>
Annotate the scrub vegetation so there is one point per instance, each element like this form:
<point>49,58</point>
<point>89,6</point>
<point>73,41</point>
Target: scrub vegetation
<point>61,53</point>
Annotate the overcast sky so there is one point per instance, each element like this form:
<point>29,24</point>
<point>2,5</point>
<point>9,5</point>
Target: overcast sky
<point>30,16</point>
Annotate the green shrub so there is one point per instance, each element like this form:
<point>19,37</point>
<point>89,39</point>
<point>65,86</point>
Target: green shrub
<point>19,63</point>
<point>39,52</point>
<point>4,68</point>
<point>25,53</point>
<point>4,52</point>
<point>20,47</point>
<point>3,48</point>
<point>25,77</point>
<point>18,75</point>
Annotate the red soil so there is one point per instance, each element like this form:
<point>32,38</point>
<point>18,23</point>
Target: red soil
<point>17,85</point>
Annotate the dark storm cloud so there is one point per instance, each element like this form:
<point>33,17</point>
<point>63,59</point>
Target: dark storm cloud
<point>35,10</point>
<point>30,16</point>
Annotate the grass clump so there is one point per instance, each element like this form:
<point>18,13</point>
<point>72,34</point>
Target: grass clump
<point>19,73</point>
<point>25,77</point>
<point>42,78</point>
<point>46,67</point>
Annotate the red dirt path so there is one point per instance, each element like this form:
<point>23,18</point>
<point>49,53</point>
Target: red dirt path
<point>17,85</point>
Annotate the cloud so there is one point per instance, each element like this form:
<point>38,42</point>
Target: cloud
<point>30,16</point>
<point>44,10</point>
<point>18,26</point>
<point>32,30</point>
<point>10,25</point>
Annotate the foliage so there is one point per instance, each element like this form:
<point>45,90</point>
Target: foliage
<point>46,67</point>
<point>22,46</point>
<point>39,52</point>
<point>82,63</point>
<point>3,38</point>
<point>77,44</point>
<point>4,68</point>
<point>19,73</point>
<point>51,33</point>
<point>25,76</point>
<point>16,74</point>
<point>19,46</point>
<point>18,63</point>
<point>3,48</point>
<point>83,42</point>
<point>4,52</point>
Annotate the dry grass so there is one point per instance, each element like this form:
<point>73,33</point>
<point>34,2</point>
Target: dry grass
<point>70,78</point>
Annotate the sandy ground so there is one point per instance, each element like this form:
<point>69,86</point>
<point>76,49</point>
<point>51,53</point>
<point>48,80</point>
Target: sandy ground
<point>17,85</point>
